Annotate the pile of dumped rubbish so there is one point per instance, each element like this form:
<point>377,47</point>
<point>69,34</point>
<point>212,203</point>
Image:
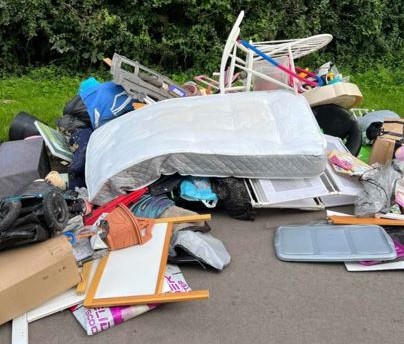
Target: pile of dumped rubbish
<point>98,215</point>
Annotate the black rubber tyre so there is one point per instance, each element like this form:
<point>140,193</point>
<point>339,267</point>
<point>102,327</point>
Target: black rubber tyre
<point>55,211</point>
<point>9,211</point>
<point>338,121</point>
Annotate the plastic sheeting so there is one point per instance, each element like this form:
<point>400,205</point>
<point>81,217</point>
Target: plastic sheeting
<point>245,135</point>
<point>379,185</point>
<point>202,246</point>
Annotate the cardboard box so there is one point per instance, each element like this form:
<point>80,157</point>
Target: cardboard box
<point>386,144</point>
<point>31,275</point>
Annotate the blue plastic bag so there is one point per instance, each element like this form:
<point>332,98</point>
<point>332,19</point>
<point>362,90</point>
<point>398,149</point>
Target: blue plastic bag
<point>87,84</point>
<point>198,189</point>
<point>105,102</point>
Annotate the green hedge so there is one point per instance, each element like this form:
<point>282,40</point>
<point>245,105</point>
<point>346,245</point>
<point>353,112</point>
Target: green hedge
<point>178,36</point>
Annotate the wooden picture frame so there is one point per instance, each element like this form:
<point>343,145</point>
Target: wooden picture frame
<point>157,295</point>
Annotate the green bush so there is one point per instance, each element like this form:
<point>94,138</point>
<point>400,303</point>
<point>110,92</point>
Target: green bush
<point>182,35</point>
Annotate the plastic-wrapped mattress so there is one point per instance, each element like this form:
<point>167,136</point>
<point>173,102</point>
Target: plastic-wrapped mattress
<point>247,135</point>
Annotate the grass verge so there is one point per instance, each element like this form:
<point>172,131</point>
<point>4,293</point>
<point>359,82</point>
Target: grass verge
<point>44,92</point>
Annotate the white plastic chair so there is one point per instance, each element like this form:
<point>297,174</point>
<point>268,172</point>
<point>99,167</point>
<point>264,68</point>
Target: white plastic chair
<point>243,59</point>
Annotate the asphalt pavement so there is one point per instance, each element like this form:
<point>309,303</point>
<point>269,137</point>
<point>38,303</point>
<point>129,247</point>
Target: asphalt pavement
<point>257,299</point>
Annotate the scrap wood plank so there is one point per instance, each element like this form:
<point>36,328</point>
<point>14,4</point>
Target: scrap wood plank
<point>85,275</point>
<point>350,220</point>
<point>108,61</point>
<point>193,295</point>
<point>182,219</point>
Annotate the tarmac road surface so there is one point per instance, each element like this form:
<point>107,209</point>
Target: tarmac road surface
<point>257,299</point>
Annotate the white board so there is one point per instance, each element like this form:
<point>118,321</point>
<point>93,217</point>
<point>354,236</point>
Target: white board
<point>134,270</point>
<point>356,267</point>
<point>19,333</point>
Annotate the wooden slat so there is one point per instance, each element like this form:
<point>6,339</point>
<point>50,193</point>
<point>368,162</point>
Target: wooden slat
<point>164,258</point>
<point>349,220</point>
<point>85,274</point>
<point>108,61</point>
<point>145,299</point>
<point>97,278</point>
<point>181,219</point>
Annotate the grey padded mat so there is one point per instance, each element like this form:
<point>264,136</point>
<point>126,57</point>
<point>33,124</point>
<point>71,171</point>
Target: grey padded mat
<point>329,243</point>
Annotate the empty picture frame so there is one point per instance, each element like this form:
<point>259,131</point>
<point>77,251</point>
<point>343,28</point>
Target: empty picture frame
<point>135,275</point>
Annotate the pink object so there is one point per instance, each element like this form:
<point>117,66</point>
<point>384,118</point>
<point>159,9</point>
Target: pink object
<point>346,165</point>
<point>95,320</point>
<point>399,249</point>
<point>277,64</point>
<point>400,153</point>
